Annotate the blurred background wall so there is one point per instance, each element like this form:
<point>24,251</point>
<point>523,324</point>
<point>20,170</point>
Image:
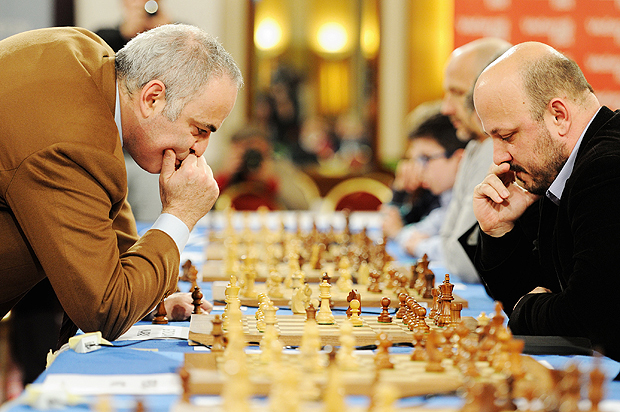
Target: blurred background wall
<point>353,69</point>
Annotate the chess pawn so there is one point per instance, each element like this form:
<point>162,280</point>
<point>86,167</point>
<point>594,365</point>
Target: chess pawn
<point>185,377</point>
<point>353,294</point>
<point>344,281</point>
<point>595,389</point>
<point>310,344</point>
<point>402,299</point>
<point>249,290</point>
<point>284,384</point>
<point>363,274</point>
<point>448,346</point>
<point>297,279</point>
<point>274,284</point>
<point>375,285</point>
<point>333,398</point>
<point>385,317</point>
<point>382,357</point>
<point>355,319</point>
<point>269,343</point>
<point>217,332</point>
<point>345,356</point>
<point>433,342</point>
<point>419,353</point>
<point>197,300</point>
<point>384,398</point>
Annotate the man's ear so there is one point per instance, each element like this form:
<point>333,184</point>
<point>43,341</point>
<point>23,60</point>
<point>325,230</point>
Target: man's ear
<point>561,116</point>
<point>152,98</point>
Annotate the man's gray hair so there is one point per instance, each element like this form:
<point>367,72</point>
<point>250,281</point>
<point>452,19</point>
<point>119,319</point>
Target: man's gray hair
<point>183,57</point>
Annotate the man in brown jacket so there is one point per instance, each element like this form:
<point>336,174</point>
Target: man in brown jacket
<point>63,186</point>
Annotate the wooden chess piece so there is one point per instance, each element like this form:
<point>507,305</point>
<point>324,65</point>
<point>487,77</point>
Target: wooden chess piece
<point>433,342</point>
<point>219,342</point>
<point>160,316</point>
<point>435,307</point>
<point>455,310</point>
<point>354,294</point>
<point>355,319</point>
<point>429,284</point>
<point>310,312</point>
<point>419,353</point>
<point>382,357</point>
<point>402,299</point>
<point>481,397</point>
<point>325,315</point>
<point>445,317</point>
<point>385,317</point>
<point>185,270</point>
<point>192,276</point>
<point>197,300</point>
<point>421,312</point>
<point>185,378</point>
<point>595,389</point>
<point>374,286</point>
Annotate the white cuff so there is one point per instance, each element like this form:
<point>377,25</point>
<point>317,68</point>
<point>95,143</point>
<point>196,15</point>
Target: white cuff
<point>173,227</point>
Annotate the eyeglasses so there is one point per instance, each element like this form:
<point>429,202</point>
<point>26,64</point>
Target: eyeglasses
<point>424,159</point>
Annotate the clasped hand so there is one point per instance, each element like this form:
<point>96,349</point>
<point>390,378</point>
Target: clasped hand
<point>188,192</point>
<point>499,201</point>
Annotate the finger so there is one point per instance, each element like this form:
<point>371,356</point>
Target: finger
<point>493,189</point>
<point>206,305</point>
<point>500,168</point>
<point>168,163</point>
<point>202,163</point>
<point>189,161</point>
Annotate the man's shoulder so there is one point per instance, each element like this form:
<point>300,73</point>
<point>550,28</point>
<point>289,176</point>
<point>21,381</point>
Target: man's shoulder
<point>54,39</point>
<point>603,135</point>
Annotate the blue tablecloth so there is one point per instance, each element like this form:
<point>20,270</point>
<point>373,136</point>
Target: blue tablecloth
<point>166,356</point>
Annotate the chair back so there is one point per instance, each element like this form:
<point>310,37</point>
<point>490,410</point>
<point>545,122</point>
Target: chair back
<point>247,196</point>
<point>357,194</point>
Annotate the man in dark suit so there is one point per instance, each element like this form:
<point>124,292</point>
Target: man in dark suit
<point>549,211</point>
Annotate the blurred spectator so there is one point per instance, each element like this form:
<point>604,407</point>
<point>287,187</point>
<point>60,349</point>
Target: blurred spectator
<point>251,159</point>
<point>440,152</point>
<point>138,16</point>
<point>410,201</point>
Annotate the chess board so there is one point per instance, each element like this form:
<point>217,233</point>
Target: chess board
<point>290,328</point>
<point>339,297</point>
<point>408,377</point>
<point>213,271</point>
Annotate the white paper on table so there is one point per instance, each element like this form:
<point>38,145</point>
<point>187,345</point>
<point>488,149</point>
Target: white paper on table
<point>144,332</point>
<point>77,384</point>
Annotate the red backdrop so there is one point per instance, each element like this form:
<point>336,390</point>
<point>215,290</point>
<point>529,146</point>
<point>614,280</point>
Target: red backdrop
<point>586,30</point>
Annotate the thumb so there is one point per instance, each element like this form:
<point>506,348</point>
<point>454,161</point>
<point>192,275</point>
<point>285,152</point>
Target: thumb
<point>168,163</point>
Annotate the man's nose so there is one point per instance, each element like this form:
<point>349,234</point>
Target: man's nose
<point>200,147</point>
<point>500,154</point>
<point>447,107</point>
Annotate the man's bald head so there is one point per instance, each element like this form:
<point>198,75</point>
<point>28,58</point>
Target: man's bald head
<point>542,73</point>
<point>462,70</point>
